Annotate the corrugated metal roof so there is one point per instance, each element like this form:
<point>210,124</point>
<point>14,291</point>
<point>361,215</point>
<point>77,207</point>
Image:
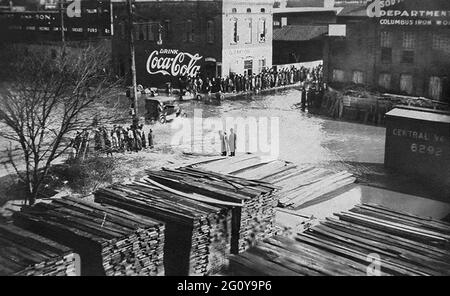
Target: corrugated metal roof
<point>299,32</point>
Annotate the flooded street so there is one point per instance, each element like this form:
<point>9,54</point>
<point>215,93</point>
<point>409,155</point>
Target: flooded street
<point>301,137</point>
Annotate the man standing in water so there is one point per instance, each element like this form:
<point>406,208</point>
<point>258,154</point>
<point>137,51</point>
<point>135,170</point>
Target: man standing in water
<point>232,142</point>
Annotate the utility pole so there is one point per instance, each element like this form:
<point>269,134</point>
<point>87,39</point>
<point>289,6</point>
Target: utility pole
<point>133,93</point>
<point>63,37</point>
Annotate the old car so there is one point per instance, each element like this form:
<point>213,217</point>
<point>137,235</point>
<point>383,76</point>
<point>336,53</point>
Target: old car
<point>162,109</point>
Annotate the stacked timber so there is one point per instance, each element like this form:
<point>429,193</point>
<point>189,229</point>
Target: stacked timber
<point>367,240</point>
<point>110,241</point>
<point>252,203</point>
<point>24,253</point>
<point>299,185</point>
<point>196,235</point>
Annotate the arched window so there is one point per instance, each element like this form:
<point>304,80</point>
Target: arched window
<point>233,10</point>
<point>210,31</point>
<point>249,10</point>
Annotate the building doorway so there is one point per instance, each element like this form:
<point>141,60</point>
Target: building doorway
<point>248,67</point>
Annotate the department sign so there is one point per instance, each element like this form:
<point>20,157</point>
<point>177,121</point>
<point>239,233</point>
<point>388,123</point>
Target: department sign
<point>410,12</point>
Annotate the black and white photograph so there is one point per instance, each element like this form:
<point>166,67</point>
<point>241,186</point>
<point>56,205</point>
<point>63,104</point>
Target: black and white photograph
<point>224,143</point>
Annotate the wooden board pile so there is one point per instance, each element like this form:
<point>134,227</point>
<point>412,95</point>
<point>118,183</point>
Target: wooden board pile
<point>357,243</point>
<point>252,202</point>
<point>299,185</point>
<point>110,241</point>
<point>196,235</point>
<point>26,254</point>
<point>207,215</point>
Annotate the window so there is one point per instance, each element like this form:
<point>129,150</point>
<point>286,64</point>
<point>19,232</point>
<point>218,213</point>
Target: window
<point>121,30</point>
<point>408,57</point>
<point>234,31</point>
<point>234,10</point>
<point>249,31</point>
<point>210,31</point>
<point>406,83</point>
<point>261,65</point>
<point>358,77</point>
<point>151,32</point>
<point>166,29</point>
<point>408,40</point>
<point>384,80</point>
<point>142,32</point>
<point>138,32</point>
<point>435,88</point>
<point>249,10</point>
<point>189,34</point>
<point>338,75</point>
<point>441,42</point>
<point>385,39</point>
<point>263,10</point>
<point>262,30</point>
<point>283,21</point>
<point>386,55</point>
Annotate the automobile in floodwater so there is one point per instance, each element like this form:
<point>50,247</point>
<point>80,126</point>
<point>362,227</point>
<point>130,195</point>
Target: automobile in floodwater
<point>162,109</point>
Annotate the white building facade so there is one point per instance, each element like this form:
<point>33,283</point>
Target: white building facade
<point>247,36</point>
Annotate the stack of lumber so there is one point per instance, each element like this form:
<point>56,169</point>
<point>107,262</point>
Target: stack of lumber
<point>26,254</point>
<point>367,240</point>
<point>110,241</point>
<point>196,235</point>
<point>252,203</point>
<point>299,185</point>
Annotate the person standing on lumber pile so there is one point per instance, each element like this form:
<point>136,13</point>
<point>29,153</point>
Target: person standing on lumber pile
<point>223,142</point>
<point>232,142</point>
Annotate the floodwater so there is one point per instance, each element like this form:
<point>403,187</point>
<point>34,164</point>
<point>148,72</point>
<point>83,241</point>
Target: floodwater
<point>289,133</point>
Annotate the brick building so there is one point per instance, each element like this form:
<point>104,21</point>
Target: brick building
<point>177,38</point>
<point>407,54</point>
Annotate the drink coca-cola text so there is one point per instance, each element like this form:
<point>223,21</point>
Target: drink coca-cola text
<point>181,64</point>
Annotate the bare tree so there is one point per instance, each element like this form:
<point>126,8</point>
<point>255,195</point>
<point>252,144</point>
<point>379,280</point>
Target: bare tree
<point>45,96</point>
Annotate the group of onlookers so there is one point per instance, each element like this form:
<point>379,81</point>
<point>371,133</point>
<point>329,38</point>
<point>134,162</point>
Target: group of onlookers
<point>118,139</point>
<point>268,78</point>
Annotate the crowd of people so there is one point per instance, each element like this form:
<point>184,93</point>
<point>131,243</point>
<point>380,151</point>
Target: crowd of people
<point>268,78</point>
<point>118,139</point>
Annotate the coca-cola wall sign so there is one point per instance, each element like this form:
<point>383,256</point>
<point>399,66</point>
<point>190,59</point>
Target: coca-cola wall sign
<point>173,62</point>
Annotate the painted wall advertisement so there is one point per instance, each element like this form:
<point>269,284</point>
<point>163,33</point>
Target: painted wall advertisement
<point>81,18</point>
<point>158,66</point>
<point>410,12</point>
